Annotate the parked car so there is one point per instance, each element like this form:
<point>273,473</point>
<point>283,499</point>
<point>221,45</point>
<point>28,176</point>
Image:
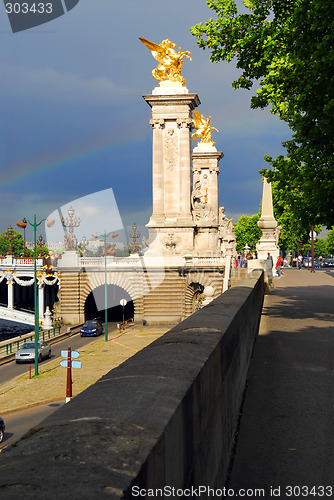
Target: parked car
<point>91,328</point>
<point>307,262</point>
<point>2,429</point>
<point>26,354</point>
<point>329,262</point>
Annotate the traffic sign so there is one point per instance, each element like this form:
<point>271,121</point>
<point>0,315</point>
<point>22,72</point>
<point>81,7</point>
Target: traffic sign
<point>74,354</point>
<point>74,364</point>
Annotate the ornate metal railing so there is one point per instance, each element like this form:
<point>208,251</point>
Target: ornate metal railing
<point>8,347</point>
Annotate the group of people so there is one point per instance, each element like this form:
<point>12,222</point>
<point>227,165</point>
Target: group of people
<point>241,260</point>
<point>279,263</point>
<point>283,262</point>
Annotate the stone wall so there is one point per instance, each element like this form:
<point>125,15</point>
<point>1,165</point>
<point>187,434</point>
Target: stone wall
<point>165,417</point>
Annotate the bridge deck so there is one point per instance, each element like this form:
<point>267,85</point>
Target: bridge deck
<point>286,435</point>
<point>16,315</point>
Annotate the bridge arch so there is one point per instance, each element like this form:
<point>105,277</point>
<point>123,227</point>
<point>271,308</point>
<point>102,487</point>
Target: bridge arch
<point>196,281</point>
<point>95,304</point>
<point>120,286</point>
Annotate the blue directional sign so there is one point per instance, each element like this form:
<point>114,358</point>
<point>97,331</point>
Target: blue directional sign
<point>74,364</point>
<point>74,354</point>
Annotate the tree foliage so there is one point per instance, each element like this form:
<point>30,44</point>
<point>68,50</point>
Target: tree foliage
<point>320,247</point>
<point>288,47</point>
<point>294,232</point>
<point>330,241</point>
<point>247,231</point>
<point>17,243</point>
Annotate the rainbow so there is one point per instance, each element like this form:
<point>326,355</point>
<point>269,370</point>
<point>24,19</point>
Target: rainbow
<point>27,169</point>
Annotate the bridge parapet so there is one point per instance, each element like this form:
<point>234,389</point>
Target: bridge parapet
<point>24,266</point>
<point>162,261</point>
<point>165,417</point>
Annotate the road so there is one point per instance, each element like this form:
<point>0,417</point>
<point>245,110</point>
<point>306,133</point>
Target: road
<point>12,369</point>
<point>328,270</point>
<point>20,422</point>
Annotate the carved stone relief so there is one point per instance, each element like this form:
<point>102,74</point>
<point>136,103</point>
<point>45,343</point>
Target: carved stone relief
<point>171,148</point>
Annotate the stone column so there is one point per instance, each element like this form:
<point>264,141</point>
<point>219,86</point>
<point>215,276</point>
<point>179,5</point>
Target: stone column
<point>184,214</point>
<point>206,170</point>
<point>171,226</point>
<point>41,302</point>
<point>172,107</point>
<point>157,174</point>
<point>10,291</point>
<point>205,197</point>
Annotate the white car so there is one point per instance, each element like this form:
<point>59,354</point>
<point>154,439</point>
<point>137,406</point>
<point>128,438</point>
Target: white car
<point>26,354</point>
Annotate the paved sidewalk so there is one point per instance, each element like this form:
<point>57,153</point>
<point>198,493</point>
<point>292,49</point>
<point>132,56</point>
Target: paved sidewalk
<point>286,435</point>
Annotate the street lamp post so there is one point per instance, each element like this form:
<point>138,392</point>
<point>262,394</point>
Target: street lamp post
<point>105,236</point>
<point>10,236</point>
<point>35,226</point>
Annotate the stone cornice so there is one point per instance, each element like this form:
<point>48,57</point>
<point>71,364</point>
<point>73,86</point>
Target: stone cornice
<point>207,155</point>
<point>191,100</point>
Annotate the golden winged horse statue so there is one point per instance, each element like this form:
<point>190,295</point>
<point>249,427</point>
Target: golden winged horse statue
<point>170,61</point>
<point>203,128</point>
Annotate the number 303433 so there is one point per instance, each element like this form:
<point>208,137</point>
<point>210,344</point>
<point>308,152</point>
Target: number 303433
<point>24,8</point>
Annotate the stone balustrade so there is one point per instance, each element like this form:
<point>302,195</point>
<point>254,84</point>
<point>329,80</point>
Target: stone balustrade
<point>11,263</point>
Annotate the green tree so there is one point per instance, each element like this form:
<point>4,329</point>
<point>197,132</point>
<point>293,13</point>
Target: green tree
<point>330,241</point>
<point>17,243</point>
<point>320,247</point>
<point>293,233</point>
<point>247,232</point>
<point>287,46</point>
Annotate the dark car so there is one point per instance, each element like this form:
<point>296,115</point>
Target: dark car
<point>329,263</point>
<point>2,429</point>
<point>91,328</point>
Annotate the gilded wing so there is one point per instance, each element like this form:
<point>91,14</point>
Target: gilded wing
<point>157,52</point>
<point>197,119</point>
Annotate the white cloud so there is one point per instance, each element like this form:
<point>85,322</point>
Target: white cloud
<point>89,210</point>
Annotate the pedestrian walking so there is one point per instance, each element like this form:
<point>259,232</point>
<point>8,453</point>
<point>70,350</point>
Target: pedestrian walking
<point>278,266</point>
<point>300,261</point>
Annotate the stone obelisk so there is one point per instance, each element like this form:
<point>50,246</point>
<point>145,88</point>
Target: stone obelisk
<point>268,224</point>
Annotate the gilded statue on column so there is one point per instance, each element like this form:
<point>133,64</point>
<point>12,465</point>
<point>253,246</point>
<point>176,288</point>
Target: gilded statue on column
<point>203,129</point>
<point>170,61</point>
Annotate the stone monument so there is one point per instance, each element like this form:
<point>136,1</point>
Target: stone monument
<point>185,217</point>
<point>185,262</point>
<point>268,224</point>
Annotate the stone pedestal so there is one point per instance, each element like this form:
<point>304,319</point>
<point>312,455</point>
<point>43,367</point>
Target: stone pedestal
<point>47,324</point>
<point>70,258</point>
